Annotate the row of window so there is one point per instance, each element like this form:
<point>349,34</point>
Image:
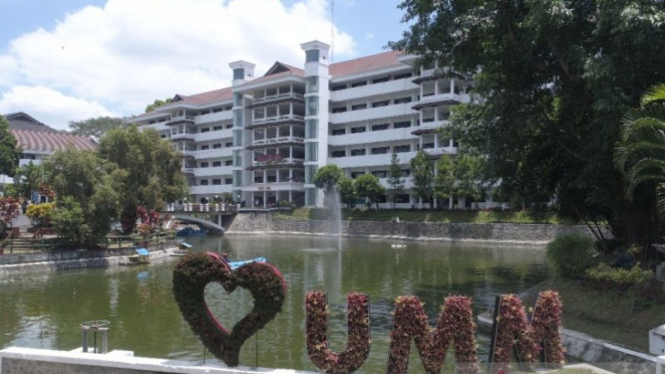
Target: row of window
<point>215,182</point>
<point>386,78</point>
<point>216,164</point>
<point>216,128</point>
<point>377,127</point>
<point>216,146</point>
<point>374,104</point>
<point>374,151</point>
<point>404,173</point>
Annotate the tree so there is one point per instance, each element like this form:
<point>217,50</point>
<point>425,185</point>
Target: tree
<point>10,153</point>
<point>347,192</point>
<point>422,174</point>
<point>149,169</point>
<point>27,179</point>
<point>466,171</point>
<point>96,127</point>
<point>444,182</point>
<point>395,181</point>
<point>554,78</point>
<point>368,186</point>
<point>327,177</point>
<point>157,103</point>
<point>70,223</point>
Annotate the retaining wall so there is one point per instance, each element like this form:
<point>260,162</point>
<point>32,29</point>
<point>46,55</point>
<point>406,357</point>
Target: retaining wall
<point>491,232</point>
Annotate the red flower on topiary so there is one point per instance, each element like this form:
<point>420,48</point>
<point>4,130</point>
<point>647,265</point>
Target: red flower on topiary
<point>195,271</point>
<point>358,344</point>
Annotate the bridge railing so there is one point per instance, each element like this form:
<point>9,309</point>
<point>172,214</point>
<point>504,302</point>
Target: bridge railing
<point>190,207</point>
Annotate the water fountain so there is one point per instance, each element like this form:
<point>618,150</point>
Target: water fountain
<point>335,206</point>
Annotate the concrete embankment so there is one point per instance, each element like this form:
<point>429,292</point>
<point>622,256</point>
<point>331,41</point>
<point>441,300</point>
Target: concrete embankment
<point>530,234</point>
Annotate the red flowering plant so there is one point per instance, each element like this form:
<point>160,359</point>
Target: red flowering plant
<point>455,324</point>
<point>190,277</point>
<point>546,323</point>
<point>9,209</point>
<point>358,344</point>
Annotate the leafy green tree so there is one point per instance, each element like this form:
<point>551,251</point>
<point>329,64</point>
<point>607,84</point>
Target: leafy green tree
<point>555,78</point>
<point>10,152</point>
<point>157,103</point>
<point>347,192</point>
<point>368,186</point>
<point>422,174</point>
<point>70,222</point>
<point>466,171</point>
<point>96,127</point>
<point>395,181</point>
<point>27,178</point>
<point>444,182</point>
<point>151,169</point>
<point>327,177</point>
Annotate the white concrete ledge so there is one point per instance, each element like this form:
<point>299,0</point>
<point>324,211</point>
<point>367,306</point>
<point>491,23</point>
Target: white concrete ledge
<point>127,363</point>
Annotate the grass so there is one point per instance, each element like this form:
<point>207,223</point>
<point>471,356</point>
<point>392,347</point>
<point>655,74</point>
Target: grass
<point>446,216</point>
<point>607,315</point>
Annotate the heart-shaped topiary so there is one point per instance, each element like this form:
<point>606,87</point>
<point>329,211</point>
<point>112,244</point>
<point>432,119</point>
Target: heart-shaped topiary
<point>195,271</point>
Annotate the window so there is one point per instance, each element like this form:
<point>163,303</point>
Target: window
<point>402,198</point>
<point>402,100</point>
<point>381,103</point>
<point>228,144</point>
<point>381,80</point>
<point>237,118</point>
<point>228,163</point>
<point>403,76</point>
<point>258,179</point>
<point>216,128</point>
<point>402,148</point>
<point>312,84</point>
<point>204,182</point>
<point>359,106</point>
<point>310,171</point>
<point>312,105</point>
<point>217,146</point>
<point>340,109</point>
<point>237,138</point>
<point>356,174</point>
<point>311,127</point>
<point>380,173</point>
<point>205,129</point>
<point>228,181</point>
<point>338,132</point>
<point>383,126</point>
<point>401,125</point>
<point>359,129</point>
<point>336,154</point>
<point>358,152</point>
<point>406,173</point>
<point>380,150</point>
<point>204,165</point>
<point>312,55</point>
<point>229,126</point>
<point>204,147</point>
<point>428,145</point>
<point>238,74</point>
<point>237,178</point>
<point>312,151</point>
<point>163,136</point>
<point>359,84</point>
<point>216,182</point>
<point>338,87</point>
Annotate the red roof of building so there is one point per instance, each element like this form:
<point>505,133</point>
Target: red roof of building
<point>48,141</point>
<point>365,64</point>
<point>209,97</point>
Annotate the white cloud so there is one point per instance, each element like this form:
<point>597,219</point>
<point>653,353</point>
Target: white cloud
<point>49,106</point>
<point>130,52</point>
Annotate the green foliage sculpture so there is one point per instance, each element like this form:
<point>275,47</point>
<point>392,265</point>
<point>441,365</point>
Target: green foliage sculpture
<point>357,348</point>
<point>263,281</point>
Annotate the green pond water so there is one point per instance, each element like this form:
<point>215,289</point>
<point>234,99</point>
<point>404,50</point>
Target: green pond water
<point>44,310</point>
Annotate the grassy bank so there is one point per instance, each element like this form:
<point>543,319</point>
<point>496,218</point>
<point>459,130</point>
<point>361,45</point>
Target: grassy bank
<point>446,216</point>
<point>607,315</point>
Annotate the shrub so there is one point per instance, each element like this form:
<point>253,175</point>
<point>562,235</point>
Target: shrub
<point>608,278</point>
<point>572,254</point>
<point>40,214</point>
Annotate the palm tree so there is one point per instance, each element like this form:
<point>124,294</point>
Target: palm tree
<point>640,155</point>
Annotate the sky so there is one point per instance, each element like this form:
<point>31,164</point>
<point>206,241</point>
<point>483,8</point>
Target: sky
<point>70,60</point>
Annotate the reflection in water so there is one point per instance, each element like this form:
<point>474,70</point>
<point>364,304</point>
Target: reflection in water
<point>45,310</point>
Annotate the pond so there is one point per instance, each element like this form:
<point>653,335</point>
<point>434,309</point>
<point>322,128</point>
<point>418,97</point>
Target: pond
<point>44,310</point>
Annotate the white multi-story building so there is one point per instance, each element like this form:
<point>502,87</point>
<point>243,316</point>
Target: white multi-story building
<point>263,138</point>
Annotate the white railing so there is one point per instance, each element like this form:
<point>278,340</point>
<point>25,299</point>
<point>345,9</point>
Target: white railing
<point>282,161</point>
<point>286,117</point>
<point>278,97</point>
<point>190,207</point>
<point>281,139</point>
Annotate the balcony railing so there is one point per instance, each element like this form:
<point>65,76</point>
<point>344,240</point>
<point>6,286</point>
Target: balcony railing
<point>287,117</point>
<point>275,161</point>
<point>280,140</point>
<point>282,96</point>
<point>180,119</point>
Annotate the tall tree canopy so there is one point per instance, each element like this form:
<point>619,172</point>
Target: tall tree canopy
<point>152,168</point>
<point>9,150</point>
<point>157,103</point>
<point>96,127</point>
<point>555,77</point>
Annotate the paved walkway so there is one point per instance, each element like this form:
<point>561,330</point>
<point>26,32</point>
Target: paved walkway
<point>21,221</point>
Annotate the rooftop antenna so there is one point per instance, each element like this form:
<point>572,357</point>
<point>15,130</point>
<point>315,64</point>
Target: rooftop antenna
<point>332,30</point>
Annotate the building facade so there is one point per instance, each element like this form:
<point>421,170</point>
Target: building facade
<point>263,138</point>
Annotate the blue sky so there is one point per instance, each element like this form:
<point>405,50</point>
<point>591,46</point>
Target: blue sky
<point>66,60</point>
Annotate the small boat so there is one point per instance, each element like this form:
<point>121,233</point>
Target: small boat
<point>179,252</point>
<point>236,264</point>
<point>398,246</point>
<point>184,245</point>
<point>188,231</point>
<point>142,256</point>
